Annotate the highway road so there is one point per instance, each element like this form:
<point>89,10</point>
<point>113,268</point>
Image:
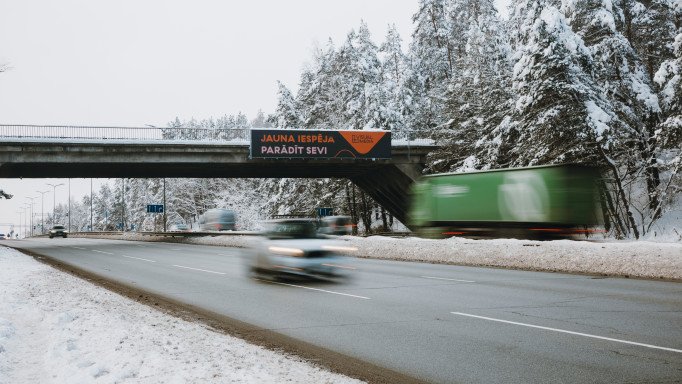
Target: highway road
<point>437,323</point>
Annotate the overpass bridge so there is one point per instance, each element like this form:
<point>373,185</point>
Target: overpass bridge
<point>150,152</point>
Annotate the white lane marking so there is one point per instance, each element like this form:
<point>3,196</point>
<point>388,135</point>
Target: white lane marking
<point>321,290</point>
<point>141,246</point>
<point>569,332</point>
<point>443,278</point>
<point>176,249</point>
<point>139,258</point>
<point>94,250</point>
<point>85,249</point>
<point>197,269</point>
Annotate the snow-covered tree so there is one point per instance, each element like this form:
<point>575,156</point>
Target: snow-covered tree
<point>395,69</point>
<point>669,78</point>
<point>559,114</point>
<point>287,115</point>
<point>479,97</point>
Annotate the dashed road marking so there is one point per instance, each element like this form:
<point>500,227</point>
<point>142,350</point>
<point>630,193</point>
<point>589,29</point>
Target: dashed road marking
<point>108,253</point>
<point>569,332</point>
<point>443,278</point>
<point>197,269</point>
<point>139,258</point>
<point>320,290</point>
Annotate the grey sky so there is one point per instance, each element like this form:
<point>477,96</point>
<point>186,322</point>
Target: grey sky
<point>131,63</point>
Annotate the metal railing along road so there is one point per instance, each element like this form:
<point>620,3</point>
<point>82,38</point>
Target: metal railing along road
<point>217,135</point>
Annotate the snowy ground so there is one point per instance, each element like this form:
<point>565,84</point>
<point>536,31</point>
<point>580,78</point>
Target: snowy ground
<point>93,335</point>
<point>55,328</point>
<point>641,259</point>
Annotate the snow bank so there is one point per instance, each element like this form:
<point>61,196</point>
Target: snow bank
<point>631,259</point>
<point>642,259</point>
<point>55,328</point>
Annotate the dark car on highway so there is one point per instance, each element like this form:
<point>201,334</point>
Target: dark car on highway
<point>58,230</point>
<point>218,220</point>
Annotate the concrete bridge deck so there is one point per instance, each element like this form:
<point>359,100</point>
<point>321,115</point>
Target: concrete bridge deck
<point>386,180</point>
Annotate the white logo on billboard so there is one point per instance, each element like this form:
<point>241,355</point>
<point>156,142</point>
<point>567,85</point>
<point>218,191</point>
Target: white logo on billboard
<point>523,196</point>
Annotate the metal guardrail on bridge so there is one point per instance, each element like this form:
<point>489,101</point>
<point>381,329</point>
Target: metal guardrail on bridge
<point>181,134</point>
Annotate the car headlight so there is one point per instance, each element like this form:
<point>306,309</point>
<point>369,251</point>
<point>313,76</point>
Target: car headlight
<point>286,251</point>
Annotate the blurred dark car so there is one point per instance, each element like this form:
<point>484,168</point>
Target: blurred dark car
<point>335,225</point>
<point>58,230</point>
<point>218,219</point>
<point>293,248</point>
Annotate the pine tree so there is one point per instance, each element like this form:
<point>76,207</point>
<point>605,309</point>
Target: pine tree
<point>669,78</point>
<point>360,71</point>
<point>559,114</point>
<point>287,115</point>
<point>399,98</point>
<point>479,96</point>
<point>431,62</point>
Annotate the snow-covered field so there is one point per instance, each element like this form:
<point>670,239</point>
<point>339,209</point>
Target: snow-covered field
<point>56,328</point>
<point>94,335</point>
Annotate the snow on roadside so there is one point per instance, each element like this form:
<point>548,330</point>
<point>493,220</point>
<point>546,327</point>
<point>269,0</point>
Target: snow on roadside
<point>634,259</point>
<point>56,328</point>
<point>641,259</point>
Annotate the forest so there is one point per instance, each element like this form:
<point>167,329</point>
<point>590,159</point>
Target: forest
<point>595,82</point>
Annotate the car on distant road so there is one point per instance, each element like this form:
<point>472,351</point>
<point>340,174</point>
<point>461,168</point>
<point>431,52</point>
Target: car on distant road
<point>293,248</point>
<point>2,236</point>
<point>336,225</point>
<point>58,230</point>
<point>179,228</point>
<point>218,219</point>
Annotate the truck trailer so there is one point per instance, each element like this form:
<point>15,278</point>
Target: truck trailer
<point>555,201</point>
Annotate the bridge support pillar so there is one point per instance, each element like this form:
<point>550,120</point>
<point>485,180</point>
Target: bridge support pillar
<point>390,187</point>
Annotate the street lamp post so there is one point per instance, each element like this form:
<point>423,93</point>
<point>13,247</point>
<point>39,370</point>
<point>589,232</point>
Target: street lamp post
<point>19,230</point>
<point>24,207</point>
<point>31,213</point>
<point>54,200</point>
<point>42,211</point>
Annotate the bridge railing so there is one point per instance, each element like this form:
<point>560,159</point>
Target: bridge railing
<point>60,132</point>
<point>217,135</point>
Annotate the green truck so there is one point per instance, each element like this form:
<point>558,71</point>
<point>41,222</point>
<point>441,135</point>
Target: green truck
<point>555,201</point>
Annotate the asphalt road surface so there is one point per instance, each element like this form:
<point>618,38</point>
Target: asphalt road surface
<point>437,323</point>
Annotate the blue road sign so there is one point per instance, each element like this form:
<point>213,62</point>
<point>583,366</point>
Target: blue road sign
<point>154,208</point>
<point>325,211</point>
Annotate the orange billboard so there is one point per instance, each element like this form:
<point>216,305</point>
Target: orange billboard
<point>287,143</point>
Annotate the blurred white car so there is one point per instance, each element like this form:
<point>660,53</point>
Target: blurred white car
<point>292,247</point>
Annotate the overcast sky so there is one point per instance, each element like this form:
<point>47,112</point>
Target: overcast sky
<point>140,62</point>
<point>132,63</point>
